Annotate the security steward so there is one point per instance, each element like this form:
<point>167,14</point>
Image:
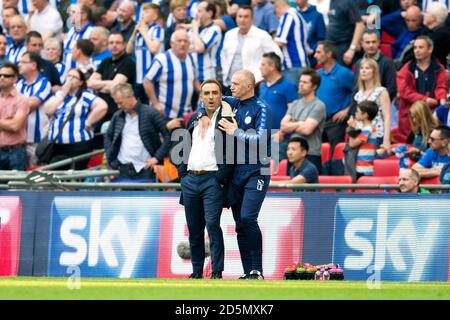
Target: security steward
<point>203,180</point>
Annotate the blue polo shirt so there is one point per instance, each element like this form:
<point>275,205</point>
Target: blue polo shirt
<point>308,170</point>
<point>432,159</point>
<point>265,18</point>
<point>277,97</point>
<point>336,88</point>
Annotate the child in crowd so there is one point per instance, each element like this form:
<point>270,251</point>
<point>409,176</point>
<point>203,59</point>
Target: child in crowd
<point>364,139</point>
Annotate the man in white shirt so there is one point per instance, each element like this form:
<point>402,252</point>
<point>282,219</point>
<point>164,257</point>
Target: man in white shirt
<point>44,19</point>
<point>202,181</point>
<point>244,46</point>
<point>133,141</point>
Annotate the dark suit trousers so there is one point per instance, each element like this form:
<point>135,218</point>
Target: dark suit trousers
<point>203,202</point>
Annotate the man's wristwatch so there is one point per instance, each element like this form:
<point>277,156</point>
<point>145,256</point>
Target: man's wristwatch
<point>352,47</point>
<point>199,115</point>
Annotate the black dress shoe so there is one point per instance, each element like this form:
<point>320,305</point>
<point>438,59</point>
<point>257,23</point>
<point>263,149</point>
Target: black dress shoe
<point>216,275</point>
<point>255,275</point>
<point>196,276</point>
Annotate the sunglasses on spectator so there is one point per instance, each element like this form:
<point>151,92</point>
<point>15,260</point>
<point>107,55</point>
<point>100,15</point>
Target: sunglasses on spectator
<point>5,75</point>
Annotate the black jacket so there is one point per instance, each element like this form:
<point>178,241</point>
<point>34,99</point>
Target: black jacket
<point>225,170</point>
<point>151,125</point>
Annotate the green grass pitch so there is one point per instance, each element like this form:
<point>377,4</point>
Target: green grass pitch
<point>186,289</point>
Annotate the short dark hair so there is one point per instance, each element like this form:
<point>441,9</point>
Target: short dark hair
<point>315,76</point>
<point>246,7</point>
<point>369,107</point>
<point>86,9</point>
<point>302,141</point>
<point>370,31</point>
<point>329,46</point>
<point>16,11</point>
<point>211,81</point>
<point>210,7</point>
<point>427,39</point>
<point>444,131</point>
<point>117,33</point>
<point>34,57</point>
<point>33,34</point>
<point>85,46</point>
<point>274,59</point>
<point>11,66</point>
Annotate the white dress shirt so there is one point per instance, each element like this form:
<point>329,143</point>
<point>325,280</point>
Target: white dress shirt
<point>257,42</point>
<point>132,148</point>
<point>203,156</point>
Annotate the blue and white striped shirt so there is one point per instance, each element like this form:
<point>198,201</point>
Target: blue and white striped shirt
<point>173,79</point>
<point>292,32</point>
<point>62,71</point>
<point>207,61</point>
<point>14,52</point>
<point>142,53</point>
<point>71,38</point>
<point>425,4</point>
<point>37,120</point>
<point>74,131</point>
<point>192,8</point>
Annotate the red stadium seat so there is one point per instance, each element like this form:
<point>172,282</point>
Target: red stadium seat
<point>338,153</point>
<point>376,180</point>
<point>385,167</point>
<point>434,180</point>
<point>337,166</point>
<point>335,179</point>
<point>326,158</point>
<point>280,170</point>
<point>326,152</point>
<point>95,161</point>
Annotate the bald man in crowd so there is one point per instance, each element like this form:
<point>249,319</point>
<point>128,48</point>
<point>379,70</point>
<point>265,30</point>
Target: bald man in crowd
<point>408,181</point>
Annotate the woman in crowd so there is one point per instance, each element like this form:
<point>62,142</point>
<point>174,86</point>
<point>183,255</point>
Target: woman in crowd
<point>370,89</point>
<point>74,137</point>
<point>422,123</point>
<point>53,53</point>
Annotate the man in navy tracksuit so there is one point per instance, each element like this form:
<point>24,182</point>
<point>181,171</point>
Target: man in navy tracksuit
<point>251,128</point>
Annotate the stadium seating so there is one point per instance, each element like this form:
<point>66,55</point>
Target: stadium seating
<point>326,158</point>
<point>434,180</point>
<point>335,179</point>
<point>386,167</point>
<point>376,180</point>
<point>280,170</point>
<point>96,161</point>
<point>337,165</point>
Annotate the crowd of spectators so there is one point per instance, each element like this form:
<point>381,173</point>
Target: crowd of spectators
<point>322,66</point>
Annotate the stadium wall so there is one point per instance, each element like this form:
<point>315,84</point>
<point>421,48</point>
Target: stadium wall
<point>391,237</point>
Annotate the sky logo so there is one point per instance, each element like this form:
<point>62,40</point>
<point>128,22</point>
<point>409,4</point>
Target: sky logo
<point>105,237</point>
<point>403,239</point>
